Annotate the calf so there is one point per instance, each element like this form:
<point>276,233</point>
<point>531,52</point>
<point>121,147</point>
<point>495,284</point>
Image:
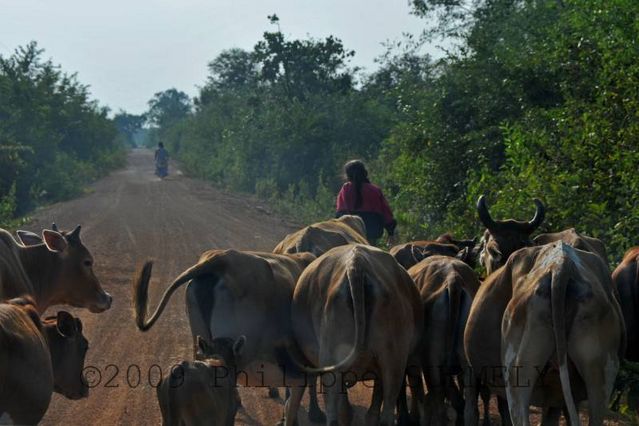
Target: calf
<point>202,392</point>
<point>37,358</point>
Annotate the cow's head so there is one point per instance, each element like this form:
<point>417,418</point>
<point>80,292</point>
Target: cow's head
<point>228,349</point>
<point>74,281</point>
<point>68,348</point>
<point>503,237</point>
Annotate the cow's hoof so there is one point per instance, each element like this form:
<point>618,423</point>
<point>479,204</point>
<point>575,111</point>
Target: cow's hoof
<point>273,393</point>
<point>316,415</point>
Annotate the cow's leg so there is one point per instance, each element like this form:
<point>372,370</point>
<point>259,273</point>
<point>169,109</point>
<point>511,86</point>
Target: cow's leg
<point>274,393</point>
<point>504,412</point>
<point>372,415</point>
<point>418,399</point>
<point>315,413</point>
<point>403,416</point>
<point>332,398</point>
<point>392,377</point>
<point>598,374</point>
<point>457,401</point>
<point>551,416</point>
<point>484,392</point>
<point>292,405</point>
<point>435,377</point>
<point>471,389</point>
<point>527,344</point>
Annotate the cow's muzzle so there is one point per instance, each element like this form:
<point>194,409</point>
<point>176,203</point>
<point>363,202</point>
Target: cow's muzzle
<point>104,304</point>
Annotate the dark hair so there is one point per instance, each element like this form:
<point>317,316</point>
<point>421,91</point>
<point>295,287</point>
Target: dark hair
<point>160,144</point>
<point>356,172</point>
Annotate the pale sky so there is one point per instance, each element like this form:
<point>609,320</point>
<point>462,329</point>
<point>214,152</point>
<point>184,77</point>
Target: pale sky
<point>127,50</point>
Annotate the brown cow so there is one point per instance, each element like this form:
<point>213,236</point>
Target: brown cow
<point>356,313</point>
<point>318,239</point>
<point>626,279</point>
<point>56,269</point>
<point>323,236</point>
<point>562,332</point>
<point>37,358</point>
<point>232,293</point>
<point>447,287</point>
<point>202,392</point>
<point>503,237</point>
<point>571,237</point>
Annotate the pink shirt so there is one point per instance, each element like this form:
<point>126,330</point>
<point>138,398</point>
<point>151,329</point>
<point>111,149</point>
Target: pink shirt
<point>372,201</point>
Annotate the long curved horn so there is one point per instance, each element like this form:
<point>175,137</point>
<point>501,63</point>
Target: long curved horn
<point>540,214</point>
<point>484,215</point>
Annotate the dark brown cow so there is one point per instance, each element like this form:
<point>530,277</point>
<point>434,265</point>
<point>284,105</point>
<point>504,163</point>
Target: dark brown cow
<point>626,279</point>
<point>232,293</point>
<point>37,358</point>
<point>323,236</point>
<point>411,253</point>
<point>447,287</point>
<point>202,392</point>
<point>503,237</point>
<point>550,318</point>
<point>356,314</point>
<point>56,269</point>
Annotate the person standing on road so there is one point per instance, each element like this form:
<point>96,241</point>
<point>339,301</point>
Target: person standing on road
<point>161,161</point>
<point>360,197</point>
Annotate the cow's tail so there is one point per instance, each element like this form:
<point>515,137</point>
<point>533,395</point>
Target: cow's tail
<point>559,283</point>
<point>141,290</point>
<point>356,278</point>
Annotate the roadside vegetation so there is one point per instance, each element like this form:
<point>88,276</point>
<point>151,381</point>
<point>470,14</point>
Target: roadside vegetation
<point>53,138</point>
<point>535,99</point>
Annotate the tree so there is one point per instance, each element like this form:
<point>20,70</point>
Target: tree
<point>168,107</point>
<point>129,125</point>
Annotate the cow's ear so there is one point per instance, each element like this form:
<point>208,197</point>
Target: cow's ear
<point>66,324</point>
<point>463,254</point>
<point>28,238</point>
<point>55,241</point>
<point>238,346</point>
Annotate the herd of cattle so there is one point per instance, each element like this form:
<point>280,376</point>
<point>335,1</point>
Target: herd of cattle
<point>548,325</point>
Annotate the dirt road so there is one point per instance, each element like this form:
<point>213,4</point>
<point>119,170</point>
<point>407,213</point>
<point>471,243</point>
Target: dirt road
<point>128,217</point>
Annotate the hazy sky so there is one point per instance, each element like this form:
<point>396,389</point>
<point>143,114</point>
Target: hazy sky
<point>127,50</point>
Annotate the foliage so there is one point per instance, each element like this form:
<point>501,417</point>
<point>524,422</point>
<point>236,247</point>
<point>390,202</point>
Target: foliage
<point>53,138</point>
<point>538,99</point>
<point>129,126</point>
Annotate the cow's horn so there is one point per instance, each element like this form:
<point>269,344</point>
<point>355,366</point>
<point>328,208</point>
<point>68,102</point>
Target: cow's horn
<point>75,234</point>
<point>540,214</point>
<point>484,215</point>
<point>55,227</point>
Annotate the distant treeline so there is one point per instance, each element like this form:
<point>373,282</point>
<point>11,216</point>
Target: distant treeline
<point>53,138</point>
<point>538,99</point>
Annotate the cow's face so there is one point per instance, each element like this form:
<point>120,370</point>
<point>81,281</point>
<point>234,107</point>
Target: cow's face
<point>68,348</point>
<point>228,349</point>
<point>496,248</point>
<point>76,283</point>
<point>502,238</point>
